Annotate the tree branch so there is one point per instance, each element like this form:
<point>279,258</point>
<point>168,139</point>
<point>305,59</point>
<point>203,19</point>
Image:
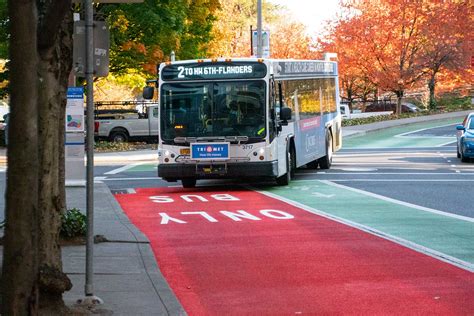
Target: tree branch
<point>50,22</point>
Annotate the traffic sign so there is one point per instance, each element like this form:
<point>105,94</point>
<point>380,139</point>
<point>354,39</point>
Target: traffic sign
<point>101,49</point>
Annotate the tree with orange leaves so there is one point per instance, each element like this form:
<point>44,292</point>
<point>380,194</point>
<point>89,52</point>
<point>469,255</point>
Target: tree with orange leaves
<point>354,82</point>
<point>389,36</point>
<point>397,44</point>
<point>449,36</point>
<point>290,40</point>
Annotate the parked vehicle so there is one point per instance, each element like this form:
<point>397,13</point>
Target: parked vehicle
<point>465,138</point>
<point>346,113</point>
<point>4,109</point>
<point>120,126</point>
<point>384,106</point>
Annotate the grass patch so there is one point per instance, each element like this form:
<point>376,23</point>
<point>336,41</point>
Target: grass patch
<point>104,146</point>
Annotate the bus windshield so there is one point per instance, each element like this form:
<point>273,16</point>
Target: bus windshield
<point>217,109</point>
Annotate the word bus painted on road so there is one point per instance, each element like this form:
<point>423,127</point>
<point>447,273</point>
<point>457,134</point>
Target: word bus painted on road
<point>246,118</point>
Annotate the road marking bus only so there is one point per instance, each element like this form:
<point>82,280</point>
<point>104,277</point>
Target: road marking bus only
<point>239,252</point>
<point>237,216</point>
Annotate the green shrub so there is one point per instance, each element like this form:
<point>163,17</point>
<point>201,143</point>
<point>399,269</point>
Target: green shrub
<point>73,224</point>
<point>453,103</point>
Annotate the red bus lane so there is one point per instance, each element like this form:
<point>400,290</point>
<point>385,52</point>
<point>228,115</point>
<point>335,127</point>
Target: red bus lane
<point>241,252</point>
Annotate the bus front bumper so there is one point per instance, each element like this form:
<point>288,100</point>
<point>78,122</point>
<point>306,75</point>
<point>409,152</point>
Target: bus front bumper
<point>216,170</point>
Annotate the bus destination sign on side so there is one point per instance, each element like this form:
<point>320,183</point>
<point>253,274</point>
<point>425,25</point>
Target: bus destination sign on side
<point>307,68</point>
<point>224,70</point>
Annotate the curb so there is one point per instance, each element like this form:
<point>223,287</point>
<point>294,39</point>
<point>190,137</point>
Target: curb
<point>161,286</point>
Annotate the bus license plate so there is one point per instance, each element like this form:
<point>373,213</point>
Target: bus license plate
<point>210,151</point>
<point>185,151</point>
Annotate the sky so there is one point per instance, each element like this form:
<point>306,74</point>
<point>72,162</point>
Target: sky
<point>311,13</point>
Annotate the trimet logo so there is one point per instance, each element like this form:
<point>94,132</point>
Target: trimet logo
<point>210,149</point>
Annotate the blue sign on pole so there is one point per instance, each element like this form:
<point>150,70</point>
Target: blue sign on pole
<point>75,93</point>
<point>210,151</point>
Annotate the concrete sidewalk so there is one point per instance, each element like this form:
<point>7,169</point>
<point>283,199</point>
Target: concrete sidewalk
<point>126,276</point>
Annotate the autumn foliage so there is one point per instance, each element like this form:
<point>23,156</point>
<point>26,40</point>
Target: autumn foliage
<point>401,45</point>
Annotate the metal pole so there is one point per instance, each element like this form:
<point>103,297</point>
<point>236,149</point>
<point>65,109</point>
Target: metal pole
<point>89,72</point>
<point>251,40</point>
<point>259,29</point>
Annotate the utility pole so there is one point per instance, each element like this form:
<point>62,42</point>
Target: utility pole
<point>259,29</point>
<point>90,299</point>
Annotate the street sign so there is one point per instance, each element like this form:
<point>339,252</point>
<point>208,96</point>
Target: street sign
<point>74,146</point>
<point>101,49</point>
<point>265,43</point>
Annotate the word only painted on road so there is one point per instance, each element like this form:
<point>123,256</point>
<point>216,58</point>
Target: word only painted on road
<point>236,216</point>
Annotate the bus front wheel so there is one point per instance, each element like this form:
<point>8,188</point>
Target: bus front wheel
<point>286,178</point>
<point>326,161</point>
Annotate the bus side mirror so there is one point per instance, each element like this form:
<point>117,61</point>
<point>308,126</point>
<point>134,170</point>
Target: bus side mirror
<point>148,93</point>
<point>285,115</point>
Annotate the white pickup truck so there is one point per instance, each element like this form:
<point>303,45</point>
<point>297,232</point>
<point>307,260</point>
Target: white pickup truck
<point>123,128</point>
<point>347,114</point>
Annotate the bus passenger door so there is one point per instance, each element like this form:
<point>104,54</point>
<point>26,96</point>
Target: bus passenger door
<point>282,131</point>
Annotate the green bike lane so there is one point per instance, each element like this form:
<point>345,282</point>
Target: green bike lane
<point>399,137</point>
<point>445,236</point>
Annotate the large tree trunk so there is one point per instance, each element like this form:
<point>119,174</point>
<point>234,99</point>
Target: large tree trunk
<point>20,256</point>
<point>54,68</point>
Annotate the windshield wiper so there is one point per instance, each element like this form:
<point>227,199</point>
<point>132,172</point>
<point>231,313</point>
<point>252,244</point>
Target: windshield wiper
<point>212,139</point>
<point>236,139</point>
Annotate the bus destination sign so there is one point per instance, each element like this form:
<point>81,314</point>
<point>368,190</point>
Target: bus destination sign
<point>213,70</point>
<point>304,68</point>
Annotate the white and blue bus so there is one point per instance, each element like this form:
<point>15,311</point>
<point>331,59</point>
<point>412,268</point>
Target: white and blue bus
<point>246,118</point>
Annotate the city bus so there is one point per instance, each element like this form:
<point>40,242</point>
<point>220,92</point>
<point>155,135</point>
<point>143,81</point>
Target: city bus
<point>246,118</point>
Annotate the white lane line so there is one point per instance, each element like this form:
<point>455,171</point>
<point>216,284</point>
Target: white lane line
<point>398,180</point>
<point>124,168</point>
<point>387,199</point>
<point>131,179</point>
<point>444,144</point>
<point>403,242</point>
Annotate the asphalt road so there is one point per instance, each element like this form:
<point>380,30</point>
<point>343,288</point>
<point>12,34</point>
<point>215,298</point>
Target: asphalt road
<point>428,176</point>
